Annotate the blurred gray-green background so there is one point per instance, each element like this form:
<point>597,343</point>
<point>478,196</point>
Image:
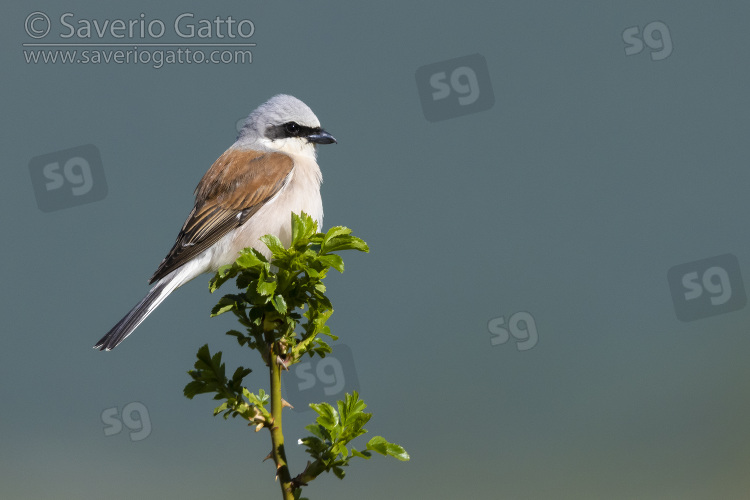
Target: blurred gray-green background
<point>526,175</point>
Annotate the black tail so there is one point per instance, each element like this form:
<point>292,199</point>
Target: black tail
<point>130,322</point>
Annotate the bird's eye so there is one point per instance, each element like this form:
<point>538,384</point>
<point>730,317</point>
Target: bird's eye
<point>292,128</point>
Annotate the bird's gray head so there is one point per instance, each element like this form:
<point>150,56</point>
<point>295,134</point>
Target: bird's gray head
<point>284,123</point>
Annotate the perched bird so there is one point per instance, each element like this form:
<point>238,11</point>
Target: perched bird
<point>250,191</point>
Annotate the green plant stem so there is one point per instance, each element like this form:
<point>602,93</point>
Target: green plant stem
<point>312,471</point>
<point>302,345</point>
<point>277,436</point>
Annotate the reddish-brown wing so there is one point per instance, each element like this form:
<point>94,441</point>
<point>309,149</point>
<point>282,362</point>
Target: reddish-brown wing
<point>236,186</point>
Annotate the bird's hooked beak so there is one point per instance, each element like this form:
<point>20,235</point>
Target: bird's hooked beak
<point>320,136</point>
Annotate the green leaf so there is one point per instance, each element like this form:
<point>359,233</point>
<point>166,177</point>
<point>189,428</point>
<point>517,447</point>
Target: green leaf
<point>250,258</point>
<point>361,454</point>
<point>242,339</point>
<point>339,472</point>
<point>321,348</point>
<point>398,452</point>
<point>279,304</point>
<point>303,226</point>
<point>313,273</point>
<point>332,260</point>
<point>221,408</point>
<point>336,231</point>
<point>193,388</point>
<point>223,274</point>
<point>224,271</point>
<point>343,242</point>
<point>351,407</point>
<point>266,287</point>
<point>239,374</point>
<point>226,303</point>
<point>328,417</point>
<point>380,445</point>
<point>318,431</point>
<point>274,245</point>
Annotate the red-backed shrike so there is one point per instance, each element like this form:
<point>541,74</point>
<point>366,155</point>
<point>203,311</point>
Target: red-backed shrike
<point>250,191</point>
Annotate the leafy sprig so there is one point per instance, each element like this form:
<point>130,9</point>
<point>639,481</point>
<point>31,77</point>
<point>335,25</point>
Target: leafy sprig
<point>283,308</point>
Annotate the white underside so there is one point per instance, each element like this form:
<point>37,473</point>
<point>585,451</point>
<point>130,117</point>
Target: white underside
<point>300,194</point>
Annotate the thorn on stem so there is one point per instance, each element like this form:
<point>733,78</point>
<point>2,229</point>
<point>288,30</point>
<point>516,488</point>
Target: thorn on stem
<point>283,362</point>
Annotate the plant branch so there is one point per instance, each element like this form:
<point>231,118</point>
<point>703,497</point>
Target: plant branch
<point>277,297</point>
<point>313,470</point>
<point>277,435</point>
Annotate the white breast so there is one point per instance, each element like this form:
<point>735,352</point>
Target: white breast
<point>300,194</point>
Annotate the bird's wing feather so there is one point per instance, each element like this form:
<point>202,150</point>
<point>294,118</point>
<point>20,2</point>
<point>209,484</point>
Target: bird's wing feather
<point>236,186</point>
